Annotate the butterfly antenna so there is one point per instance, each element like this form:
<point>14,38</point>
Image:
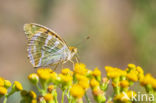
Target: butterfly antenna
<point>83,39</point>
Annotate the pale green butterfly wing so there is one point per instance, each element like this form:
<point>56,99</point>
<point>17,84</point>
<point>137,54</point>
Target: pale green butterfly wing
<point>44,46</point>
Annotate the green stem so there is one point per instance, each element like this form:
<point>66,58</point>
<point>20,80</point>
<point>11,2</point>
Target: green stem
<point>62,96</point>
<point>88,100</point>
<point>39,89</point>
<point>55,96</point>
<point>5,99</point>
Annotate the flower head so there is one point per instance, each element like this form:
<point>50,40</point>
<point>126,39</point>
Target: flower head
<point>33,78</point>
<point>66,71</point>
<point>18,86</point>
<point>32,94</point>
<point>96,72</point>
<point>84,84</point>
<point>94,83</point>
<point>7,83</point>
<point>77,91</point>
<point>80,68</point>
<point>48,97</point>
<point>1,81</point>
<point>44,73</point>
<point>3,91</point>
<point>124,83</point>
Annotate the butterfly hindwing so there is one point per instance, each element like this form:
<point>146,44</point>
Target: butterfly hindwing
<point>44,46</point>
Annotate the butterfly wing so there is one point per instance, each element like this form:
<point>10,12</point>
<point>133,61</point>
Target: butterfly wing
<point>44,46</point>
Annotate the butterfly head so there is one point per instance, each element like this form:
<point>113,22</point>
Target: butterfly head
<point>73,51</point>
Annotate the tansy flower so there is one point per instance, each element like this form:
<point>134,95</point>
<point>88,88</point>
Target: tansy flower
<point>50,88</point>
<point>148,79</point>
<point>7,83</point>
<point>132,75</point>
<point>114,72</point>
<point>94,83</point>
<point>3,91</point>
<point>77,91</point>
<point>32,94</point>
<point>97,91</point>
<point>53,76</point>
<point>84,84</point>
<point>80,68</point>
<point>33,78</point>
<point>48,97</point>
<point>66,80</point>
<point>81,77</point>
<point>1,81</point>
<point>140,70</point>
<point>131,66</point>
<point>124,83</point>
<point>17,86</point>
<point>121,97</point>
<point>34,101</point>
<point>44,73</point>
<point>66,71</point>
<point>96,72</point>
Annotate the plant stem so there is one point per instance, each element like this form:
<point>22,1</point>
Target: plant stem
<point>5,99</point>
<point>88,100</point>
<point>62,96</point>
<point>55,96</point>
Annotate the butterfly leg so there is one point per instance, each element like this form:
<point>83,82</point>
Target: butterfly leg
<point>61,65</point>
<point>56,67</point>
<point>77,58</point>
<point>72,63</point>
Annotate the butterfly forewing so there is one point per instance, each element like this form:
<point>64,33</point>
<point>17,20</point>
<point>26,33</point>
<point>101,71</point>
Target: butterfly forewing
<point>44,46</point>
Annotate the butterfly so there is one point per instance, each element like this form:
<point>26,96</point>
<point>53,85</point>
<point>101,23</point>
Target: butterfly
<point>45,47</point>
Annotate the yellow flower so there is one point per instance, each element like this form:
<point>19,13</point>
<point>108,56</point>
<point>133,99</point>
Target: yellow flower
<point>140,70</point>
<point>48,97</point>
<point>131,66</point>
<point>132,75</point>
<point>7,83</point>
<point>124,83</point>
<point>33,78</point>
<point>50,88</point>
<point>81,77</point>
<point>77,91</point>
<point>120,97</point>
<point>44,73</point>
<point>66,78</point>
<point>97,91</point>
<point>80,69</point>
<point>53,76</point>
<point>32,94</point>
<point>96,72</point>
<point>84,84</point>
<point>1,81</point>
<point>114,72</point>
<point>34,101</point>
<point>148,79</point>
<point>66,71</point>
<point>3,91</point>
<point>94,83</point>
<point>18,86</point>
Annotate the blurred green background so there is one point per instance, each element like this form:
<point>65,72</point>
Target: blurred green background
<point>120,31</point>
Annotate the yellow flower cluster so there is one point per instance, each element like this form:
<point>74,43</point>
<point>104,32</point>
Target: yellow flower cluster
<point>75,84</point>
<point>148,79</point>
<point>29,97</point>
<point>5,89</point>
<point>125,96</point>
